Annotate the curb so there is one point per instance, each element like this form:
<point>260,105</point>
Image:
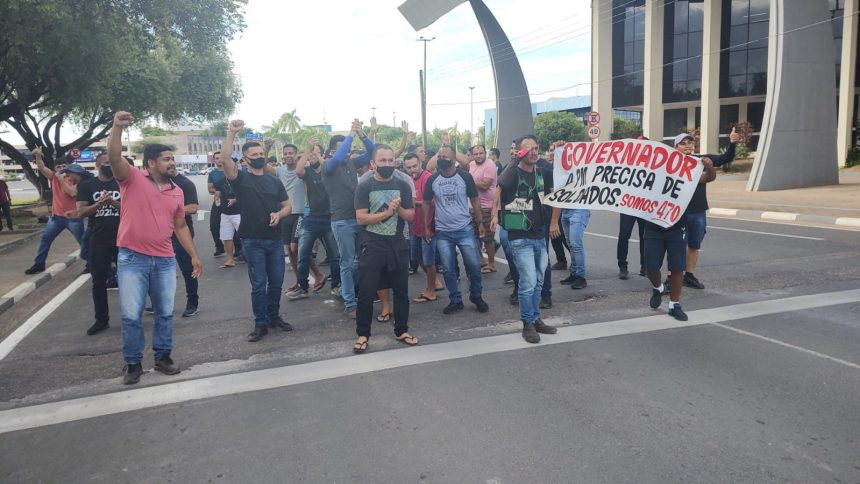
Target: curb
<point>25,288</point>
<point>23,240</point>
<point>786,217</point>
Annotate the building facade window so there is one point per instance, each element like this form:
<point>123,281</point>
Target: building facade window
<point>628,52</point>
<point>837,10</point>
<point>743,59</point>
<point>682,50</point>
<point>674,121</point>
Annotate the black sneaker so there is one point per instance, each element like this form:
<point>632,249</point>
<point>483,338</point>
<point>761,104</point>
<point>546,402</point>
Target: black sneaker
<point>642,272</point>
<point>546,302</point>
<point>560,266</point>
<point>167,366</point>
<point>413,271</point>
<point>97,327</point>
<point>86,270</point>
<point>678,313</point>
<point>132,373</point>
<point>453,308</point>
<point>479,302</point>
<point>218,253</point>
<point>259,332</point>
<point>278,323</point>
<point>514,299</point>
<point>350,312</point>
<point>544,328</point>
<point>691,281</point>
<point>656,298</point>
<point>623,274</point>
<point>509,279</point>
<point>578,283</point>
<point>666,287</point>
<point>190,311</point>
<point>530,334</point>
<point>35,269</point>
<point>567,280</point>
<point>112,283</point>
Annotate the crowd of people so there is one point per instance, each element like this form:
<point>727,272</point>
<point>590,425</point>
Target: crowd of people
<point>381,213</point>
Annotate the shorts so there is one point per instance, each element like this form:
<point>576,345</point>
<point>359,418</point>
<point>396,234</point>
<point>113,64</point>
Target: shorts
<point>489,235</point>
<point>422,251</point>
<point>291,227</point>
<point>697,227</point>
<point>229,226</point>
<point>672,243</point>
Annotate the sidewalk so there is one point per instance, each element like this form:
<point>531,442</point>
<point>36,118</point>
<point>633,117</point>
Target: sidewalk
<point>833,204</point>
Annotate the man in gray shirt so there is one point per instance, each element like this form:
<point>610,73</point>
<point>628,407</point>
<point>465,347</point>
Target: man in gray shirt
<point>291,225</point>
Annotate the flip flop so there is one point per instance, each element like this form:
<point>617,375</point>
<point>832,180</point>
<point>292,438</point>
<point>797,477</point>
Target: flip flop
<point>487,270</point>
<point>423,299</point>
<point>405,337</point>
<point>383,318</point>
<point>360,346</point>
<point>321,284</point>
<point>228,266</point>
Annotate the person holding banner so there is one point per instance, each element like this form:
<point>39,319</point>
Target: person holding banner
<point>671,242</point>
<point>519,210</point>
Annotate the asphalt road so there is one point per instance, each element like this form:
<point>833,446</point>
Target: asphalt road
<point>761,385</point>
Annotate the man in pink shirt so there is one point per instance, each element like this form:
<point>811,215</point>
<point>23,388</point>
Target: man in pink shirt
<point>64,190</point>
<point>423,250</point>
<point>152,211</point>
<point>486,177</point>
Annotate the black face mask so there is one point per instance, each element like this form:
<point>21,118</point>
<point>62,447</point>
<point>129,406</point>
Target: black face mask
<point>107,171</point>
<point>315,165</point>
<point>444,163</point>
<point>385,171</point>
<point>257,163</point>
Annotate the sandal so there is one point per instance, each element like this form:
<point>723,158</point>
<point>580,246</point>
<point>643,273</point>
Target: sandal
<point>423,299</point>
<point>228,266</point>
<point>292,288</point>
<point>321,284</point>
<point>488,270</point>
<point>405,339</point>
<point>383,318</point>
<point>360,346</point>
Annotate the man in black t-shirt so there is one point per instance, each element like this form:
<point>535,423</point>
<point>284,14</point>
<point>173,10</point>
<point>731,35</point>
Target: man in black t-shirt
<point>383,203</point>
<point>183,259</point>
<point>525,219</point>
<point>263,201</point>
<point>231,217</point>
<point>316,225</point>
<point>99,198</point>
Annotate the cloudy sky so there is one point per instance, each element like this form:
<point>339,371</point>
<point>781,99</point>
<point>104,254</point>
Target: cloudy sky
<point>335,60</point>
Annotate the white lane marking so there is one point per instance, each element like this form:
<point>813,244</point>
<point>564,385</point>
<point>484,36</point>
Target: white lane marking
<point>172,393</point>
<point>766,233</point>
<point>795,206</point>
<point>851,222</point>
<point>791,224</point>
<point>8,344</point>
<point>609,236</point>
<point>501,261</point>
<point>789,345</point>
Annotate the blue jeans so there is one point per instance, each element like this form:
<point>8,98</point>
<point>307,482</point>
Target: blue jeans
<point>55,226</point>
<point>531,259</point>
<point>265,260</point>
<point>422,251</point>
<point>346,234</point>
<point>465,239</point>
<point>573,222</point>
<point>183,260</point>
<point>138,275</point>
<point>509,254</point>
<point>314,228</point>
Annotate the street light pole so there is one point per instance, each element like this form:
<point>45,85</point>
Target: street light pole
<point>424,91</point>
<point>472,110</point>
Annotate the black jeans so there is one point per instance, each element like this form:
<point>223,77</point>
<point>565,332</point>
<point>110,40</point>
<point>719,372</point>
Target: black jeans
<point>559,244</point>
<point>215,227</point>
<point>6,210</point>
<point>184,261</point>
<point>377,261</point>
<point>625,229</point>
<point>100,259</point>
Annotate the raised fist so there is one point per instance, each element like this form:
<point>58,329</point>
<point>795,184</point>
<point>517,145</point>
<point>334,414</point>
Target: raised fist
<point>373,125</point>
<point>123,119</point>
<point>444,138</point>
<point>37,152</point>
<point>312,142</point>
<point>236,125</point>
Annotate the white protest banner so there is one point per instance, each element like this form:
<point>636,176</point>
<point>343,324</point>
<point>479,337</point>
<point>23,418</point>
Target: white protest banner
<point>643,178</point>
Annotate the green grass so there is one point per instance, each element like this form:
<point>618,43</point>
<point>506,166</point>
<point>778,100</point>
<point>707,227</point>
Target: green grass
<point>24,201</point>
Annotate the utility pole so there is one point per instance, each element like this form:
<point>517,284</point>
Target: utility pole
<point>374,112</point>
<point>394,119</point>
<point>472,110</point>
<point>424,91</point>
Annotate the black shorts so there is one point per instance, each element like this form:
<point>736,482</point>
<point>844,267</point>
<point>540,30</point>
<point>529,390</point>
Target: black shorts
<point>672,243</point>
<point>291,227</point>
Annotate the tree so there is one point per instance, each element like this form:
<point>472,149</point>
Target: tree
<point>219,130</point>
<point>77,62</point>
<point>624,128</point>
<point>554,126</point>
<point>148,131</point>
<point>138,146</point>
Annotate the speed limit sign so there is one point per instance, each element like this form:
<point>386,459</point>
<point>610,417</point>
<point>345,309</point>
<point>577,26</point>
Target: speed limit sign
<point>594,132</point>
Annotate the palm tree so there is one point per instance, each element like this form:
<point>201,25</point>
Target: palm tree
<point>292,123</point>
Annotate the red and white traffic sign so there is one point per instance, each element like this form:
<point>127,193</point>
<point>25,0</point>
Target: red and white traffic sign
<point>593,118</point>
<point>75,153</point>
<point>594,132</point>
